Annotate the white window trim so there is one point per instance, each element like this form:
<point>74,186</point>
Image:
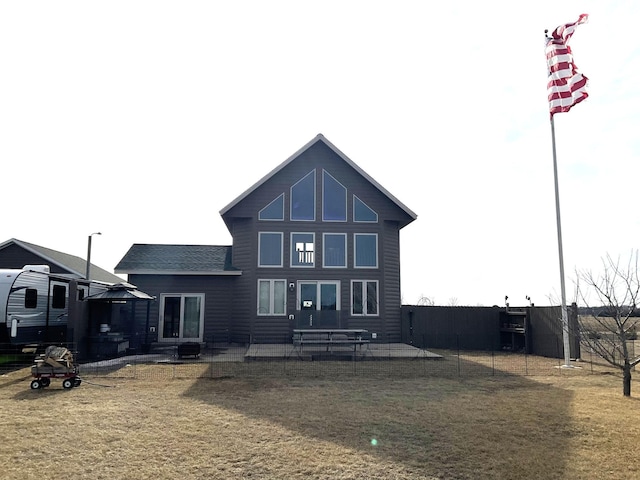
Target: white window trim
<point>355,235</point>
<point>346,213</point>
<point>267,206</point>
<point>364,298</point>
<point>318,284</point>
<point>365,204</point>
<point>323,250</point>
<point>315,198</point>
<point>281,250</point>
<point>294,252</point>
<point>161,317</point>
<point>272,282</point>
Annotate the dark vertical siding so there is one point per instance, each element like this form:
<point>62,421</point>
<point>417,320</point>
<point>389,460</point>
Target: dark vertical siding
<point>390,285</point>
<point>545,324</point>
<point>218,291</point>
<point>244,255</point>
<point>478,328</point>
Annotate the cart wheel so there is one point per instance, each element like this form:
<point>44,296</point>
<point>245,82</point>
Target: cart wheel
<point>45,381</point>
<point>76,382</point>
<point>35,385</point>
<point>67,383</point>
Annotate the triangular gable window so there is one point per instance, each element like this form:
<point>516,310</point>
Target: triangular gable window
<point>273,211</point>
<point>303,198</point>
<point>362,212</point>
<point>334,199</point>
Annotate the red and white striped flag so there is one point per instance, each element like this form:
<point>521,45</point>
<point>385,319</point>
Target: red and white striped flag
<point>566,85</point>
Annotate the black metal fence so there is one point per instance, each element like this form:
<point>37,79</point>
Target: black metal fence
<point>377,360</point>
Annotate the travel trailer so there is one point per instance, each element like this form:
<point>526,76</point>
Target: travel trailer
<point>35,304</point>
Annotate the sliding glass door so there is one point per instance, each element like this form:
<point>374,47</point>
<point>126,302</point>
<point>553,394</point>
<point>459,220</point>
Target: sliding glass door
<point>181,317</point>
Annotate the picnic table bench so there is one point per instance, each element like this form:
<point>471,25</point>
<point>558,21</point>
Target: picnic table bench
<point>330,337</point>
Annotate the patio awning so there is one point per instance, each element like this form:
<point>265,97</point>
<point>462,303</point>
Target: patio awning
<point>120,292</point>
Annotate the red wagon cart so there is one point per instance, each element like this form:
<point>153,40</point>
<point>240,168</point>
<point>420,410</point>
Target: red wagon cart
<point>55,362</point>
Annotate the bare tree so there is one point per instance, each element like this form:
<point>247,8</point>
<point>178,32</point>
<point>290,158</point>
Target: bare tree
<point>427,301</point>
<point>611,299</point>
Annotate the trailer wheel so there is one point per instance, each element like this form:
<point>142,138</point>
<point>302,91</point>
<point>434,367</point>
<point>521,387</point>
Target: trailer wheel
<point>35,385</point>
<point>45,381</point>
<point>67,383</point>
<point>76,382</point>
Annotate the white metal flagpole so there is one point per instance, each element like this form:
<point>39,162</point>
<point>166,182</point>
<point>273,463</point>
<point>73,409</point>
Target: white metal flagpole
<point>566,87</point>
<point>565,319</point>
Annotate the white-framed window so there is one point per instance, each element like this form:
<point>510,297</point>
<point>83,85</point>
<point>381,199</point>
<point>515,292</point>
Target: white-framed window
<point>303,198</point>
<point>364,297</point>
<point>303,249</point>
<point>334,199</point>
<point>334,250</point>
<point>270,249</point>
<point>272,296</point>
<point>274,210</point>
<point>181,317</point>
<point>362,212</point>
<point>365,250</point>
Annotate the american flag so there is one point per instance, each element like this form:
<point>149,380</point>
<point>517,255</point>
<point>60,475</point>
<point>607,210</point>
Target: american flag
<point>566,85</point>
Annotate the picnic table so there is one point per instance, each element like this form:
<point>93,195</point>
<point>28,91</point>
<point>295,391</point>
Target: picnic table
<point>330,337</point>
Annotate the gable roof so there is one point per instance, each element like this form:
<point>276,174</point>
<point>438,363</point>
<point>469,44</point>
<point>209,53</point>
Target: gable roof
<point>177,260</point>
<point>320,138</point>
<point>74,265</point>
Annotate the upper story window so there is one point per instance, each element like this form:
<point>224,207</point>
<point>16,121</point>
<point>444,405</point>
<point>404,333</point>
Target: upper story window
<point>334,250</point>
<point>273,211</point>
<point>334,199</point>
<point>270,249</point>
<point>365,250</point>
<point>302,249</point>
<point>303,198</point>
<point>362,212</point>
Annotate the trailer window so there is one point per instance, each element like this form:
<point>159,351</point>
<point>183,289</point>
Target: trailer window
<point>59,296</point>
<point>30,298</point>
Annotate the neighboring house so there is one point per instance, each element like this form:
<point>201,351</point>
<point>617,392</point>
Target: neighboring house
<point>16,254</point>
<point>64,316</point>
<point>316,243</point>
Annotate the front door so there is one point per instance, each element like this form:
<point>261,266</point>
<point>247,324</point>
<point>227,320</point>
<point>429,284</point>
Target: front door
<point>319,304</point>
<point>181,318</point>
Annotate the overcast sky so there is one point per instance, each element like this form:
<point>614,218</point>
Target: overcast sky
<point>142,120</point>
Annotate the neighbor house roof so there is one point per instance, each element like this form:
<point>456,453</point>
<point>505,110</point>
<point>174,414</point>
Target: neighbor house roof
<point>177,260</point>
<point>75,266</point>
<point>320,138</point>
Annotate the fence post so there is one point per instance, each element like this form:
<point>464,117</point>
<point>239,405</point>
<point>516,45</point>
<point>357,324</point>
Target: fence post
<point>458,349</point>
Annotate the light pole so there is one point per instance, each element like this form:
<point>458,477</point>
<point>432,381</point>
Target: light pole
<point>89,254</point>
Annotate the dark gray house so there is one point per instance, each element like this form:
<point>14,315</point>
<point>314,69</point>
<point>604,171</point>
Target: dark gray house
<point>316,243</point>
<point>16,253</point>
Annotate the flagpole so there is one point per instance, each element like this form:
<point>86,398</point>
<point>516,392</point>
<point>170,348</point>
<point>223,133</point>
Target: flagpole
<point>565,320</point>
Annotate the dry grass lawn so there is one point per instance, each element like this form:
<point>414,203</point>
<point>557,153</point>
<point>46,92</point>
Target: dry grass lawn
<point>576,425</point>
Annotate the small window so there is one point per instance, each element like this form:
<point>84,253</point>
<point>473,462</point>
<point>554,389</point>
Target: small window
<point>362,212</point>
<point>273,211</point>
<point>334,199</point>
<point>59,299</point>
<point>366,250</point>
<point>302,249</point>
<point>30,298</point>
<point>303,198</point>
<point>270,249</point>
<point>334,253</point>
